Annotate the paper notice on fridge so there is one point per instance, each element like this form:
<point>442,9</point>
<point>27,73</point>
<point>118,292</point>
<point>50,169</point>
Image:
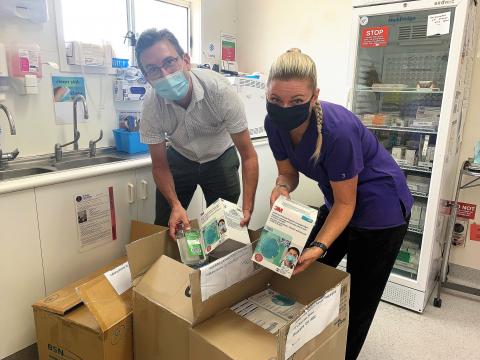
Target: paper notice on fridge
<point>313,321</point>
<point>95,217</point>
<point>438,24</point>
<point>120,278</point>
<point>226,271</point>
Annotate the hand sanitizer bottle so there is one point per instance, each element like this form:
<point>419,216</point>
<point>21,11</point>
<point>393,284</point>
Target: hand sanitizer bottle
<point>190,247</point>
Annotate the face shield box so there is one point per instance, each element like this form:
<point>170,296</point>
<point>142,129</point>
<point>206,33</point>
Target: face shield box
<point>220,228</point>
<point>284,236</point>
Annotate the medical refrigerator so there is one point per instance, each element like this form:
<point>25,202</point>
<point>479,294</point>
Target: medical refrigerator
<point>410,69</point>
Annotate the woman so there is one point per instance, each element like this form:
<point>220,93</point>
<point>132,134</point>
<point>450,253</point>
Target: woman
<point>367,201</point>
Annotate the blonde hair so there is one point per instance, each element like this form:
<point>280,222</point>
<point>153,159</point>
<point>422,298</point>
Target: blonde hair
<point>293,65</point>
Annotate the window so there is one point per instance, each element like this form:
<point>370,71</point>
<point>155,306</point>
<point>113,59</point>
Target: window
<point>162,15</point>
<point>97,22</point>
<point>102,21</point>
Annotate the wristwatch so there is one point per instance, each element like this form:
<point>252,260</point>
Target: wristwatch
<point>321,246</point>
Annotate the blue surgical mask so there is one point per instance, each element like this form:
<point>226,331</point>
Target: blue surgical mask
<point>291,258</point>
<point>173,87</point>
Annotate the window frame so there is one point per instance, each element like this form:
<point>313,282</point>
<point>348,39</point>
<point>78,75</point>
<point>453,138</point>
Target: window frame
<point>130,6</point>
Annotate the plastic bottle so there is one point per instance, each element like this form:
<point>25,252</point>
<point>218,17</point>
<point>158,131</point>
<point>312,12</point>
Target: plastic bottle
<point>190,247</point>
<point>25,60</point>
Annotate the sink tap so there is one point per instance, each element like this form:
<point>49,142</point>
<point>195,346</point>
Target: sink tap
<point>92,145</point>
<point>58,147</point>
<point>13,131</point>
<point>76,99</point>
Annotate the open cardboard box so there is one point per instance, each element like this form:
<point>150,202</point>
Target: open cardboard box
<point>172,321</point>
<point>88,320</point>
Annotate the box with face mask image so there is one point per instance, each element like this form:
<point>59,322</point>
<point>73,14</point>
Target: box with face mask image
<point>221,230</point>
<point>284,236</point>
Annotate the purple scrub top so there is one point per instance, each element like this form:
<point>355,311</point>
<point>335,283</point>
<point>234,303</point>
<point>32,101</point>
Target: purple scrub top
<point>348,149</point>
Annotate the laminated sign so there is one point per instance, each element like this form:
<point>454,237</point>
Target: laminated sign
<point>374,37</point>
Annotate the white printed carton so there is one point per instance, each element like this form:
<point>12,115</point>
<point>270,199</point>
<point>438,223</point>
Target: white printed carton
<point>284,236</point>
<point>220,225</point>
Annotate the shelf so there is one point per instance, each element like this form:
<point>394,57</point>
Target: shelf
<point>416,169</point>
<point>409,91</point>
<point>406,268</point>
<point>415,230</point>
<point>401,129</point>
<point>419,194</point>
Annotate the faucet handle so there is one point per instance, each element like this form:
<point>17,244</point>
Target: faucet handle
<point>92,145</point>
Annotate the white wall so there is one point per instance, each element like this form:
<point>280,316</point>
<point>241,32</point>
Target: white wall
<point>34,114</point>
<point>217,16</point>
<point>470,254</point>
<point>37,132</point>
<point>322,30</point>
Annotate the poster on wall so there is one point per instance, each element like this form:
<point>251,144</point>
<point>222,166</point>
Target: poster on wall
<point>475,232</point>
<point>65,88</point>
<point>460,232</point>
<point>95,218</point>
<point>229,45</point>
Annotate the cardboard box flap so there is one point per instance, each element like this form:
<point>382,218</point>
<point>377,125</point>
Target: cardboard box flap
<point>167,284</point>
<point>63,300</point>
<point>143,253</point>
<point>234,337</point>
<point>226,298</point>
<point>106,305</point>
<point>82,316</point>
<point>139,230</point>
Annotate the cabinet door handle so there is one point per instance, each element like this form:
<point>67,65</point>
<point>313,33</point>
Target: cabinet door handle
<point>144,189</point>
<point>131,193</point>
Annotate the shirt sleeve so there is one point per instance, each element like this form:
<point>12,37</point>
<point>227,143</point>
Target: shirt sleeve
<point>151,130</point>
<point>275,141</point>
<point>231,109</point>
<point>344,155</point>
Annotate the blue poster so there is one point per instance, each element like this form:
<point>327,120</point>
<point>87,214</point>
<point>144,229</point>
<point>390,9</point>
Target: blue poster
<point>65,88</point>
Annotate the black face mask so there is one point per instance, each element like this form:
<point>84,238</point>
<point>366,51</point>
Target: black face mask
<point>288,118</point>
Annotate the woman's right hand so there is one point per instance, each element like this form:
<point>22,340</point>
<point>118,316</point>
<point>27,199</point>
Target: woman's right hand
<point>276,192</point>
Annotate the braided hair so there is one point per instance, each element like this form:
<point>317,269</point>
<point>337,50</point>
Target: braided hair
<point>294,65</point>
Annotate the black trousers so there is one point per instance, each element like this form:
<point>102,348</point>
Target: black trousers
<point>371,255</point>
<point>218,179</point>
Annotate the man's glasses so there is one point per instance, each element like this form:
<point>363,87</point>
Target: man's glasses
<point>168,65</point>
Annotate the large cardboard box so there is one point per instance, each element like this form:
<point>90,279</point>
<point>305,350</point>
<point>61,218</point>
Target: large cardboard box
<point>89,320</point>
<point>174,320</point>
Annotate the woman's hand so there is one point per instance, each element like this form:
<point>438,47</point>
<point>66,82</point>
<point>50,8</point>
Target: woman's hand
<point>307,258</point>
<point>277,192</point>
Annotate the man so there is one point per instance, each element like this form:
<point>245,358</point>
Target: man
<point>203,120</point>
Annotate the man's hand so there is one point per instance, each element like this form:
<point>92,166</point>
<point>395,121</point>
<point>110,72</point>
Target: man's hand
<point>276,192</point>
<point>307,258</point>
<point>177,216</point>
<point>247,215</point>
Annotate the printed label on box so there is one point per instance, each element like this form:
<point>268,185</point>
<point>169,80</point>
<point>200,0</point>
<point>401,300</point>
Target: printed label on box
<point>284,236</point>
<point>315,319</point>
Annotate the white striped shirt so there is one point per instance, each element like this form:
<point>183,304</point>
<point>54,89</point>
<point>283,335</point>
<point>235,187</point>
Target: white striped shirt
<point>201,132</point>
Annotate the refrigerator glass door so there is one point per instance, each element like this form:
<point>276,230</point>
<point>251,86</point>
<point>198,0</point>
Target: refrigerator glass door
<point>400,75</point>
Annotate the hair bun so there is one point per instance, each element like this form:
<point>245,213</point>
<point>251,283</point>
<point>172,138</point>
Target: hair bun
<point>294,50</point>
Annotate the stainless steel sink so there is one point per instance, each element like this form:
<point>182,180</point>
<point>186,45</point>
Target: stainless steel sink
<point>78,163</point>
<point>18,173</point>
